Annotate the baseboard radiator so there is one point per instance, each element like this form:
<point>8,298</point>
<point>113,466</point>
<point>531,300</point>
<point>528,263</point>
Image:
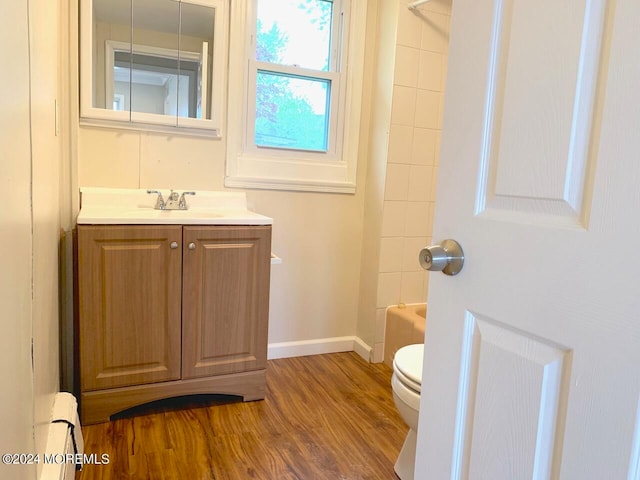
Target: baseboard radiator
<point>65,445</point>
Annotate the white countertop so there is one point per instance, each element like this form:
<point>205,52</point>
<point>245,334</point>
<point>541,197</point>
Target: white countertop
<point>113,206</point>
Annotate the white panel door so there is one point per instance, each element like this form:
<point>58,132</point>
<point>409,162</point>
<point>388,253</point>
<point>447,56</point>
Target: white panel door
<point>532,352</point>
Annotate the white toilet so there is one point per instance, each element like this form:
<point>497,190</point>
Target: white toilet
<point>405,384</point>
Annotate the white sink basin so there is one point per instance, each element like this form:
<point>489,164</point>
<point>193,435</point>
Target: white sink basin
<point>148,212</point>
<point>128,206</point>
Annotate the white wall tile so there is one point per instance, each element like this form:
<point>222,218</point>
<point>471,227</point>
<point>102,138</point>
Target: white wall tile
<point>420,183</point>
<point>377,355</point>
<point>410,252</point>
<point>391,254</point>
<point>381,320</point>
<point>427,109</point>
<point>439,6</point>
<point>412,287</point>
<point>430,71</point>
<point>406,67</point>
<point>409,28</point>
<point>397,182</point>
<point>417,220</point>
<point>393,218</point>
<point>435,32</point>
<point>400,142</point>
<point>388,289</point>
<point>404,106</point>
<point>443,71</point>
<point>423,147</point>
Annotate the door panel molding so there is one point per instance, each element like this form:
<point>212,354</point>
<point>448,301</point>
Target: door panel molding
<point>538,155</point>
<point>533,376</point>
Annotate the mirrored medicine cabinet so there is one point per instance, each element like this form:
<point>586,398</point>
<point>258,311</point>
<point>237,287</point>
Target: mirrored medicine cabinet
<point>153,63</point>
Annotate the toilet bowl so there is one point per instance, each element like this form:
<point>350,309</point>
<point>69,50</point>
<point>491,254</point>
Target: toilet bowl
<point>406,383</point>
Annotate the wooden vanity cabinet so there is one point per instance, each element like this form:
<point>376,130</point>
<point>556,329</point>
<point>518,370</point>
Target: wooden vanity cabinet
<point>224,322</point>
<point>129,305</point>
<point>170,310</point>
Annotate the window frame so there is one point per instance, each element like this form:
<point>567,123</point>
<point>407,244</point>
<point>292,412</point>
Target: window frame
<point>252,166</point>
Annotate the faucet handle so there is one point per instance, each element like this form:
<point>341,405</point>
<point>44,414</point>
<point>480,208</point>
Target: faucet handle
<point>160,201</point>
<point>183,203</point>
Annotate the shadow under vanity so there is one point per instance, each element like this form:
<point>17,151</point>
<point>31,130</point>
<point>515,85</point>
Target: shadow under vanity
<point>170,302</point>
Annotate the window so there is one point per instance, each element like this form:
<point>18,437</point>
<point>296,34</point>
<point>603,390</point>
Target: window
<point>295,74</point>
<point>298,126</point>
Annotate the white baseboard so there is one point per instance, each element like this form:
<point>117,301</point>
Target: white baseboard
<point>362,348</point>
<point>319,346</point>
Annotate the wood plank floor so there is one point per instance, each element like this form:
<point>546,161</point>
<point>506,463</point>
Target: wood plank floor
<point>324,417</point>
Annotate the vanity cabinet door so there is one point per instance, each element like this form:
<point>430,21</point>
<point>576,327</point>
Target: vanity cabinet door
<point>129,291</point>
<point>225,305</point>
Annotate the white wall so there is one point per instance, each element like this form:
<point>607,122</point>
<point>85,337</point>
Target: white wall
<point>46,164</point>
<point>16,401</point>
<point>30,221</point>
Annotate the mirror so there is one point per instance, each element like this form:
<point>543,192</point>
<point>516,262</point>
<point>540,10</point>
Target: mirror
<point>196,36</point>
<point>153,61</point>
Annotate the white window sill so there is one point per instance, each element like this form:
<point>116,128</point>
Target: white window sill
<point>290,185</point>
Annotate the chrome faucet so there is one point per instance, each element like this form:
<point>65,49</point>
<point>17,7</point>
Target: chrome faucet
<point>175,201</point>
<point>182,203</point>
<point>160,205</point>
<point>172,201</point>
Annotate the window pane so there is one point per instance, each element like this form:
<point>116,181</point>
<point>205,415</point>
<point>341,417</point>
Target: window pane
<point>294,33</point>
<point>291,112</point>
